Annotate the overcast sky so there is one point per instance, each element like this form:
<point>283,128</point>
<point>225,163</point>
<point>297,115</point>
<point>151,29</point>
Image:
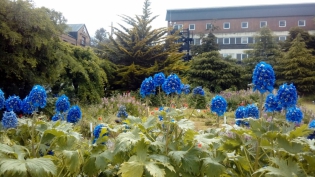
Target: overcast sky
<point>96,14</point>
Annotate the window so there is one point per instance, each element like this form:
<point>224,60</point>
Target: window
<point>263,24</point>
<point>83,41</point>
<point>226,55</point>
<point>226,40</point>
<point>178,27</point>
<point>209,26</point>
<point>282,38</point>
<point>241,56</point>
<point>197,41</point>
<point>244,25</point>
<point>282,23</point>
<point>301,23</point>
<point>226,25</point>
<point>191,26</point>
<point>244,40</point>
<point>250,40</point>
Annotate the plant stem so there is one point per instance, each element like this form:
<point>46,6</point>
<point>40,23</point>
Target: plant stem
<point>218,121</point>
<point>257,154</point>
<point>261,104</point>
<point>33,136</point>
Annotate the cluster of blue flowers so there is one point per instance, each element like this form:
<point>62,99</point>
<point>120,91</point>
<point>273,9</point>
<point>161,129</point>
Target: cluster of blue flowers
<point>252,111</point>
<point>263,77</point>
<point>218,105</point>
<point>241,112</point>
<point>287,95</point>
<point>13,103</point>
<point>27,107</point>
<point>122,113</point>
<point>9,120</point>
<point>158,79</point>
<point>74,114</point>
<point>295,115</point>
<point>198,91</point>
<point>97,130</point>
<point>185,88</point>
<point>172,84</point>
<point>311,125</point>
<point>38,96</point>
<point>63,110</point>
<point>62,104</point>
<point>147,87</point>
<point>272,103</point>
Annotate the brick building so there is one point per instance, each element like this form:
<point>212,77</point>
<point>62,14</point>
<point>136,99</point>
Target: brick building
<point>77,34</point>
<point>236,26</point>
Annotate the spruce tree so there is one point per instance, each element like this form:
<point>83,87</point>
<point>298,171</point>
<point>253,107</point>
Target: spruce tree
<point>140,51</point>
<point>210,71</point>
<point>298,67</point>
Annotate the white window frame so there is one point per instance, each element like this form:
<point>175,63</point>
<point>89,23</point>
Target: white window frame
<point>224,40</point>
<point>226,23</point>
<point>207,26</point>
<point>192,28</point>
<point>261,25</point>
<point>244,23</point>
<point>285,23</point>
<point>179,25</point>
<point>242,40</point>
<point>304,23</point>
<point>195,39</point>
<point>285,38</point>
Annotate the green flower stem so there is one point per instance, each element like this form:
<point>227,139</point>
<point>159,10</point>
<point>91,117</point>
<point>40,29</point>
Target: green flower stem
<point>218,121</point>
<point>33,138</point>
<point>257,155</point>
<point>261,104</point>
<point>245,150</point>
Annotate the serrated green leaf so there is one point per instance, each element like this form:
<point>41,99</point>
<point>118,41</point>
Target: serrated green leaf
<point>212,168</point>
<point>160,158</point>
<point>33,167</point>
<point>151,122</point>
<point>141,149</point>
<point>89,167</point>
<point>72,160</point>
<point>206,139</point>
<point>300,131</point>
<point>185,124</point>
<point>289,146</point>
<point>102,160</point>
<point>191,162</point>
<point>177,156</point>
<point>65,142</point>
<point>125,141</point>
<point>7,149</point>
<point>189,135</point>
<point>154,169</point>
<point>131,169</point>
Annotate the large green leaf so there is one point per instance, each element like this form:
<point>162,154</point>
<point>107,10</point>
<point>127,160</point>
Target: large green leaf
<point>185,124</point>
<point>212,168</point>
<point>300,131</point>
<point>131,169</point>
<point>72,160</point>
<point>177,156</point>
<point>150,123</point>
<point>65,142</point>
<point>154,169</point>
<point>125,141</point>
<point>29,167</point>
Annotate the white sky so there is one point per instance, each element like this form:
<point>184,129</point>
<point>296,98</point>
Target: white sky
<point>96,14</point>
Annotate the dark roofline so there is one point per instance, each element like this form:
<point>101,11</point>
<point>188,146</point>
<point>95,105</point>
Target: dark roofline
<point>252,11</point>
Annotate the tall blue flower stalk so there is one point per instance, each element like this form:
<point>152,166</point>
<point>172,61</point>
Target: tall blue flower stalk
<point>62,104</point>
<point>2,100</point>
<point>295,115</point>
<point>198,91</point>
<point>147,87</point>
<point>287,96</point>
<point>38,96</point>
<point>97,132</point>
<point>218,105</point>
<point>9,120</point>
<point>172,84</point>
<point>240,113</point>
<point>13,103</point>
<point>272,103</point>
<point>122,113</point>
<point>185,88</point>
<point>311,125</point>
<point>158,79</point>
<point>27,107</point>
<point>252,111</point>
<point>74,114</point>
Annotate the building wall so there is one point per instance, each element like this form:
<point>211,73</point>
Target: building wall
<point>83,38</point>
<point>69,39</point>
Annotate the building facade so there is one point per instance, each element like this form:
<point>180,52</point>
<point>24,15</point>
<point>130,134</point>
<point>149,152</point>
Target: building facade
<point>77,34</point>
<point>236,26</point>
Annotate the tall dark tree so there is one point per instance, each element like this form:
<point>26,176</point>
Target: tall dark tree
<point>210,71</point>
<point>208,44</point>
<point>139,50</point>
<point>265,49</point>
<point>298,67</point>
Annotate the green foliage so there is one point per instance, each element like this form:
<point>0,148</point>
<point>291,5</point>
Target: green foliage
<point>297,67</point>
<point>213,73</point>
<point>209,43</point>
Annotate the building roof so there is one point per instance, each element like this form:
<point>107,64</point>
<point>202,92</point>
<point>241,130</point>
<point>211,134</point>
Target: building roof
<point>279,10</point>
<point>75,27</point>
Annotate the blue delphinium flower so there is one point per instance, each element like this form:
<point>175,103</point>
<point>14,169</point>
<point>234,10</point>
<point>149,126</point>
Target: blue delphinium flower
<point>38,96</point>
<point>272,103</point>
<point>218,105</point>
<point>185,88</point>
<point>147,87</point>
<point>74,114</point>
<point>252,111</point>
<point>122,113</point>
<point>62,104</point>
<point>240,112</point>
<point>97,131</point>
<point>263,77</point>
<point>13,103</point>
<point>158,79</point>
<point>198,91</point>
<point>57,116</point>
<point>26,106</point>
<point>287,96</point>
<point>2,99</point>
<point>312,126</point>
<point>172,84</point>
<point>294,114</point>
<point>161,109</point>
<point>9,120</point>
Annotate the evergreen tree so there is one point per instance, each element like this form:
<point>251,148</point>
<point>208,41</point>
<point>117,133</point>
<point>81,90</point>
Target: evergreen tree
<point>140,51</point>
<point>265,49</point>
<point>210,71</point>
<point>298,67</point>
<point>208,44</point>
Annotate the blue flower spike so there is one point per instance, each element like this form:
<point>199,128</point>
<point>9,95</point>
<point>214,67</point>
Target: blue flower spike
<point>263,77</point>
<point>9,120</point>
<point>295,115</point>
<point>62,104</point>
<point>74,114</point>
<point>38,96</point>
<point>158,79</point>
<point>218,105</point>
<point>26,106</point>
<point>147,87</point>
<point>185,88</point>
<point>172,84</point>
<point>122,113</point>
<point>198,91</point>
<point>287,96</point>
<point>252,111</point>
<point>13,103</point>
<point>2,100</point>
<point>272,103</point>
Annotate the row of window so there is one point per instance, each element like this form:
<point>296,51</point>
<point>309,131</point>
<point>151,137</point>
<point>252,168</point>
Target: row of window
<point>244,40</point>
<point>238,56</point>
<point>226,25</point>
